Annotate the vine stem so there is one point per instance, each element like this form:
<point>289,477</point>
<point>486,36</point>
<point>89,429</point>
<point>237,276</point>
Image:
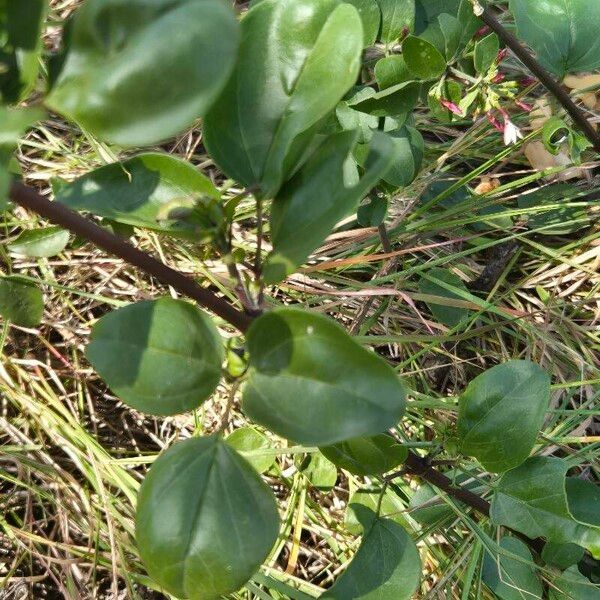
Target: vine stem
<point>549,82</point>
<point>59,214</point>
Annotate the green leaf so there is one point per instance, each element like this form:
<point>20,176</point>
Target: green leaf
<point>319,470</point>
<point>44,242</point>
<point>387,566</point>
<point>396,101</point>
<point>370,13</point>
<point>372,213</point>
<point>20,301</point>
<point>367,455</point>
<point>512,578</point>
<point>249,442</point>
<point>409,150</point>
<point>21,24</point>
<point>433,283</point>
<point>572,585</point>
<point>390,506</point>
<point>161,357</point>
<point>451,91</point>
<point>205,520</point>
<point>562,556</point>
<point>486,52</point>
<point>563,33</point>
<point>583,498</point>
<point>391,70</point>
<point>427,12</point>
<point>316,199</point>
<point>398,16</point>
<point>501,413</point>
<point>351,119</point>
<point>313,384</point>
<point>141,191</point>
<point>298,58</point>
<point>422,58</point>
<point>138,72</point>
<point>532,499</point>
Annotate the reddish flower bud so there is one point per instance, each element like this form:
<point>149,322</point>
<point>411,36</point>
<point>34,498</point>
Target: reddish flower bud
<point>496,124</point>
<point>499,78</point>
<point>451,107</point>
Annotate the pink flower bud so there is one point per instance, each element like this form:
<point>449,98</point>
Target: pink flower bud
<point>496,124</point>
<point>451,107</point>
<point>499,78</point>
<point>526,107</point>
<point>501,55</point>
<point>482,32</point>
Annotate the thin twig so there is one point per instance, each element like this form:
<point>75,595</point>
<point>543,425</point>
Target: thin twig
<point>553,86</point>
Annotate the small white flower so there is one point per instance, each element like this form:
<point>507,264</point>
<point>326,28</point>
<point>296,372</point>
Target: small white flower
<point>512,134</point>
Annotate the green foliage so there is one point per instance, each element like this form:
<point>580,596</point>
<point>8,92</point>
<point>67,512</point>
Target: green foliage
<point>436,283</point>
<point>136,73</point>
<point>162,357</point>
<point>533,499</point>
<point>20,301</point>
<point>563,33</point>
<point>422,58</point>
<point>370,14</point>
<point>367,455</point>
<point>249,441</point>
<point>319,470</point>
<point>44,242</point>
<point>501,413</point>
<point>21,45</point>
<point>387,565</point>
<point>510,574</point>
<point>325,374</point>
<point>398,17</point>
<point>572,585</point>
<point>486,52</point>
<point>377,500</point>
<point>562,556</point>
<point>205,520</point>
<point>153,190</point>
<point>298,58</point>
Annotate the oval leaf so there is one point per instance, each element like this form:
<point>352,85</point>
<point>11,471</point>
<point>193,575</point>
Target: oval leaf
<point>21,302</point>
<point>138,72</point>
<point>370,13</point>
<point>205,520</point>
<point>297,60</point>
<point>313,384</point>
<point>387,566</point>
<point>422,58</point>
<point>572,585</point>
<point>162,357</point>
<point>249,442</point>
<point>532,499</point>
<point>397,18</point>
<point>390,506</point>
<point>45,242</point>
<point>316,199</point>
<point>501,413</point>
<point>512,578</point>
<point>367,455</point>
<point>563,33</point>
<point>140,192</point>
<point>433,283</point>
<point>562,556</point>
<point>319,470</point>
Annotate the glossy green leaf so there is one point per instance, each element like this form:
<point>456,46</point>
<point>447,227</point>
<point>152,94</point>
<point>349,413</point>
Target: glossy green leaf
<point>316,199</point>
<point>21,23</point>
<point>433,283</point>
<point>141,191</point>
<point>320,471</point>
<point>409,149</point>
<point>138,72</point>
<point>370,13</point>
<point>572,585</point>
<point>298,58</point>
<point>162,357</point>
<point>486,52</point>
<point>367,455</point>
<point>205,520</point>
<point>390,506</point>
<point>563,33</point>
<point>350,119</point>
<point>532,499</point>
<point>428,13</point>
<point>21,302</point>
<point>313,384</point>
<point>562,556</point>
<point>501,413</point>
<point>396,101</point>
<point>387,566</point>
<point>44,242</point>
<point>249,442</point>
<point>583,498</point>
<point>422,58</point>
<point>397,17</point>
<point>512,578</point>
<point>391,70</point>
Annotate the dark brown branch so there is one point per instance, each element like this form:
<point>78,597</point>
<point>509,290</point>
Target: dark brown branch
<point>61,215</point>
<point>553,86</point>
